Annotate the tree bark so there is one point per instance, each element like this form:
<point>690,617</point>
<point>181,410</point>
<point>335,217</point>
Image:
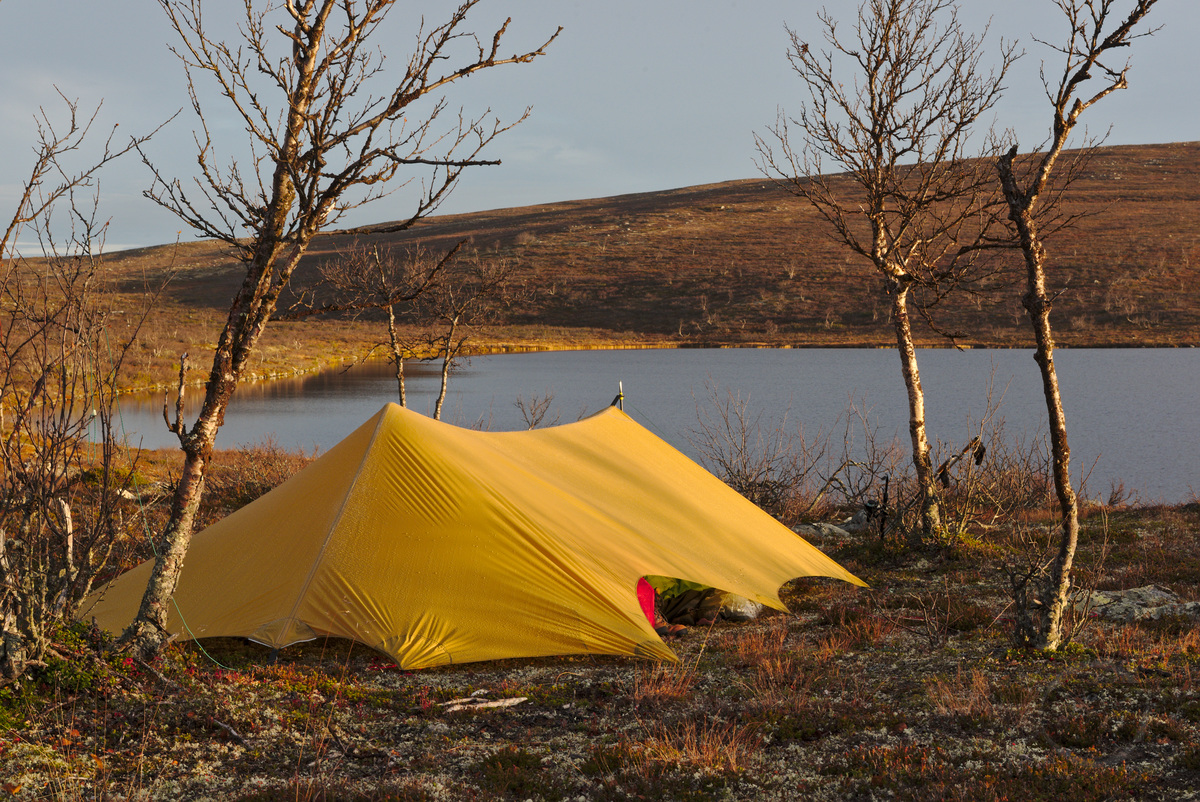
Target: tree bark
<point>13,654</point>
<point>1059,585</point>
<point>899,131</point>
<point>248,317</point>
<point>397,356</point>
<point>147,635</point>
<point>267,273</point>
<point>1089,42</point>
<point>931,519</point>
<point>441,398</point>
<point>1038,306</point>
<point>447,360</point>
<point>304,193</point>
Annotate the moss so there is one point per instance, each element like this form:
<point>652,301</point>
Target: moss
<point>334,721</point>
<point>1081,731</point>
<point>517,774</point>
<point>930,773</point>
<point>967,616</point>
<point>68,675</point>
<point>1189,759</point>
<point>321,792</point>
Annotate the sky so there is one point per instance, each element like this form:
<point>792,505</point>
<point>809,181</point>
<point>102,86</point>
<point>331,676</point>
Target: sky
<point>634,95</point>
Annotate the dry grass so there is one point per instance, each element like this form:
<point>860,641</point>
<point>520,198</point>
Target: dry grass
<point>830,702</point>
<point>966,696</point>
<point>659,683</point>
<point>710,747</point>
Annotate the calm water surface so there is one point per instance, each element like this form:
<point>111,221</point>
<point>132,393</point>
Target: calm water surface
<point>1131,413</point>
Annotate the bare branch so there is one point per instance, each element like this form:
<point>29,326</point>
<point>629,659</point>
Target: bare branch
<point>321,144</point>
<point>371,277</point>
<point>896,106</point>
<point>1096,29</point>
<point>176,426</point>
<point>61,353</point>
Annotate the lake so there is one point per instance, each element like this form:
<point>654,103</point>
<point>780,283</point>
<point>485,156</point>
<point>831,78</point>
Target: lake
<point>1131,413</point>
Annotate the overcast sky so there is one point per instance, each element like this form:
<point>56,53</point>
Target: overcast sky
<point>635,95</point>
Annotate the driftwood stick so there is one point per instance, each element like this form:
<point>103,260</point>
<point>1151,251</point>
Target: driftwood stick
<point>234,734</point>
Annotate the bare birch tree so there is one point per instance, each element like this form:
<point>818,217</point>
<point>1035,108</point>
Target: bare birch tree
<point>1098,30</point>
<point>897,105</point>
<point>61,351</point>
<point>469,295</point>
<point>376,277</point>
<point>331,144</point>
<point>444,302</point>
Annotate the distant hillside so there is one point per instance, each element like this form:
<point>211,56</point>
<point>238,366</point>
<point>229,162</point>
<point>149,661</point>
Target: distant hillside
<point>743,262</point>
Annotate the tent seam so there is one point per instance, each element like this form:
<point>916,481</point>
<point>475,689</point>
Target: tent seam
<point>337,519</point>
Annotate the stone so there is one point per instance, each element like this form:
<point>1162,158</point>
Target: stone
<point>829,530</point>
<point>857,525</point>
<point>1148,603</point>
<point>739,608</point>
<point>805,531</point>
<point>820,530</point>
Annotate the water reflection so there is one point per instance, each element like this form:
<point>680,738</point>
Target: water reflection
<point>1130,412</point>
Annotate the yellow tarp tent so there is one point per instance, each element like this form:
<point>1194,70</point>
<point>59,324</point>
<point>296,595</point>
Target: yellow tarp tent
<point>436,544</point>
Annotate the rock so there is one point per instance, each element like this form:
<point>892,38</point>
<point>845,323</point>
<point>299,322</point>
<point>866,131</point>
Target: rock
<point>739,608</point>
<point>858,524</point>
<point>1148,603</point>
<point>829,530</point>
<point>820,530</point>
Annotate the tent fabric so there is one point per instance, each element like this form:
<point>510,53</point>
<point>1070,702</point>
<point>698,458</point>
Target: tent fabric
<point>436,544</point>
<point>645,594</point>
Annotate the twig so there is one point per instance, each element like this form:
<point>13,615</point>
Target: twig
<point>475,703</point>
<point>234,734</point>
<point>174,686</point>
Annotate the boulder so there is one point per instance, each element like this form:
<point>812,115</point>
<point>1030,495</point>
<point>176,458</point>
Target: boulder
<point>1148,603</point>
<point>859,524</point>
<point>820,530</point>
<point>829,530</point>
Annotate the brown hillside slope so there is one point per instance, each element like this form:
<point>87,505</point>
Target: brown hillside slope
<point>741,262</point>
